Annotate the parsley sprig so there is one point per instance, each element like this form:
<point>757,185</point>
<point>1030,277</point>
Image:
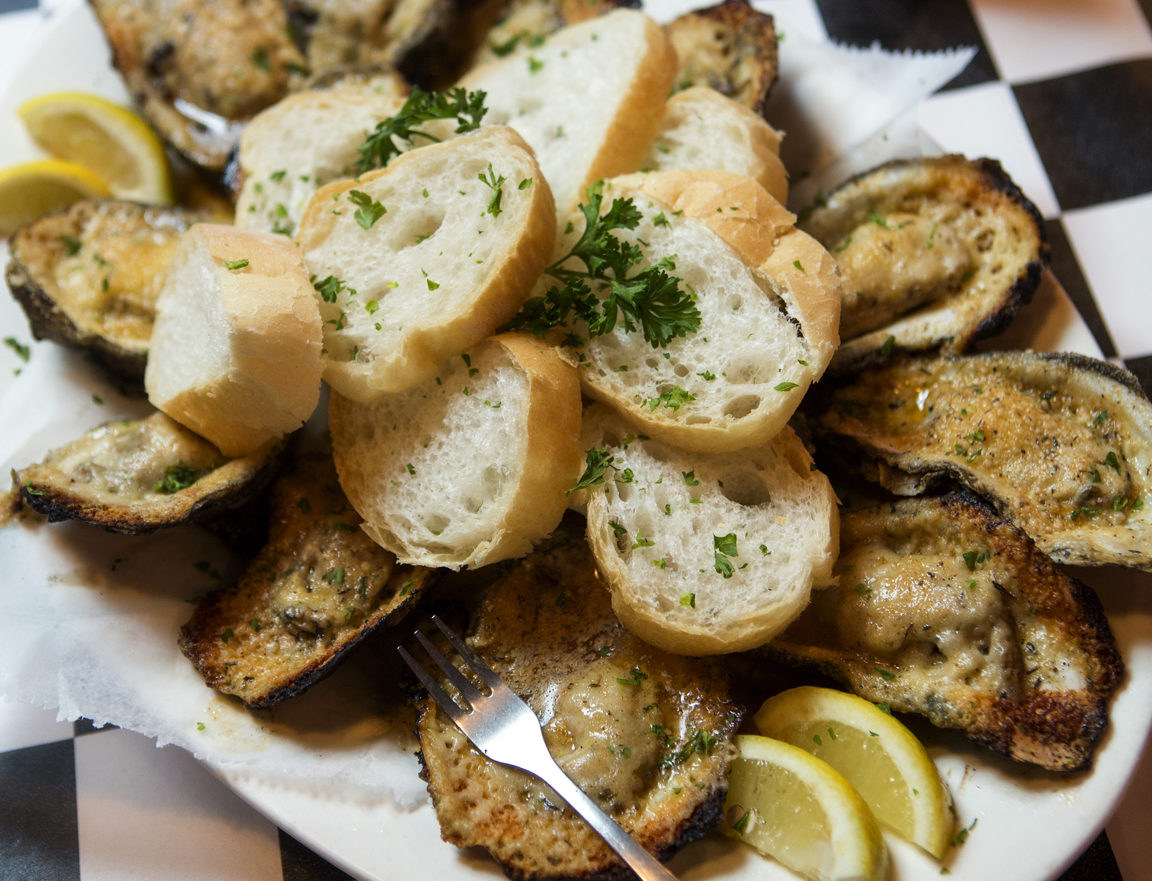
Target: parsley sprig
<point>600,292</point>
<point>467,108</point>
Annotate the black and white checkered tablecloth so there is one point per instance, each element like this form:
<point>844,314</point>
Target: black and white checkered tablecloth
<point>1060,91</point>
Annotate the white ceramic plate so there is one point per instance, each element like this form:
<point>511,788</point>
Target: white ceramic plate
<point>1029,825</point>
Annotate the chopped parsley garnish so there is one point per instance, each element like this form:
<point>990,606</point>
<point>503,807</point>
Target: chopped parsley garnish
<point>601,293</point>
<point>177,477</point>
<point>329,287</point>
<point>369,210</point>
<point>278,176</point>
<point>72,245</point>
<point>22,350</point>
<point>467,108</point>
<point>688,599</point>
<point>673,399</point>
<point>725,547</point>
<point>786,386</point>
<point>496,184</point>
<point>596,462</point>
<point>233,265</point>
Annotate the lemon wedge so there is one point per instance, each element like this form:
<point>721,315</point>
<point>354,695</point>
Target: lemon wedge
<point>797,809</point>
<point>110,140</point>
<point>32,189</point>
<point>876,753</point>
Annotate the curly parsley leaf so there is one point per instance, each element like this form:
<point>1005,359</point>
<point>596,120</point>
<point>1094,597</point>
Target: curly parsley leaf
<point>595,287</point>
<point>381,146</point>
<point>597,462</point>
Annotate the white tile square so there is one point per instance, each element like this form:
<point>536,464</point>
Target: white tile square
<point>1111,244</point>
<point>1037,39</point>
<point>985,121</point>
<point>148,814</point>
<point>24,725</point>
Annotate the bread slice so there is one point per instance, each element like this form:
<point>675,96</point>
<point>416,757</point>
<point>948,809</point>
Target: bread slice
<point>306,140</point>
<point>471,466</point>
<point>702,128</point>
<point>235,352</point>
<point>769,300</point>
<point>587,98</point>
<point>707,554</point>
<point>460,231</point>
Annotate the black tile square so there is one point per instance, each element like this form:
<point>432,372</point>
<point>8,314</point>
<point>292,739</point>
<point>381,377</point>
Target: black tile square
<point>300,864</point>
<point>1067,270</point>
<point>1096,864</point>
<point>1142,367</point>
<point>86,726</point>
<point>39,832</point>
<point>16,5</point>
<point>924,25</point>
<point>1093,130</point>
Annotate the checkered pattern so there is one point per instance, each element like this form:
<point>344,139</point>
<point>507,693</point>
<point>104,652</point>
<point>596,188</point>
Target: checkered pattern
<point>1061,93</point>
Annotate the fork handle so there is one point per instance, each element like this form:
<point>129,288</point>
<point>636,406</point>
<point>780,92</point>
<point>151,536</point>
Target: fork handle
<point>646,866</point>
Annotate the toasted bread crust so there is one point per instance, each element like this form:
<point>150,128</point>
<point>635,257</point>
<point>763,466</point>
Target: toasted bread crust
<point>235,353</point>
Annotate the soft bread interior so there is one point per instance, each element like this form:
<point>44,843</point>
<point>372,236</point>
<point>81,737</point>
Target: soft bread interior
<point>469,467</point>
<point>463,231</point>
<point>584,98</point>
<point>707,554</point>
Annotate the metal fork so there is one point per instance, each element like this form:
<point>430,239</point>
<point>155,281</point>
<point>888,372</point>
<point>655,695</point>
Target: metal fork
<point>506,730</point>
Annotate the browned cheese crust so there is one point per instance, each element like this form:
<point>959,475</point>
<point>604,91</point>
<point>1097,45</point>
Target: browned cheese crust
<point>196,68</point>
<point>646,734</point>
<point>936,253</point>
<point>948,611</point>
<point>730,47</point>
<point>317,588</point>
<point>138,476</point>
<point>88,277</point>
<point>1061,444</point>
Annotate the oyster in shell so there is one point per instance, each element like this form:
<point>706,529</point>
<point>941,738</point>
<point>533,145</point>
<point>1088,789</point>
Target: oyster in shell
<point>88,277</point>
<point>946,610</point>
<point>935,253</point>
<point>141,475</point>
<point>646,734</point>
<point>1061,444</point>
<point>317,588</point>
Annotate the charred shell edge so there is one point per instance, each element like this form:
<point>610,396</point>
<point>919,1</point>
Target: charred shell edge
<point>49,322</point>
<point>59,506</point>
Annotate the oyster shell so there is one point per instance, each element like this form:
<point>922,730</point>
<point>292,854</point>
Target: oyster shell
<point>88,277</point>
<point>646,734</point>
<point>935,253</point>
<point>316,588</point>
<point>1059,443</point>
<point>946,610</point>
<point>141,475</point>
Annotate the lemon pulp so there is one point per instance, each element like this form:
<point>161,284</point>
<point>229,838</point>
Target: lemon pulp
<point>875,752</point>
<point>797,809</point>
<point>32,189</point>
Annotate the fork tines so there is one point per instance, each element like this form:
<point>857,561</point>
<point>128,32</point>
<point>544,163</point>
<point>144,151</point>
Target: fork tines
<point>467,690</point>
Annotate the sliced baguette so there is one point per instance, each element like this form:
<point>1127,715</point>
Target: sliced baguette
<point>707,554</point>
<point>702,128</point>
<point>471,466</point>
<point>306,140</point>
<point>769,299</point>
<point>235,352</point>
<point>451,260</point>
<point>588,98</point>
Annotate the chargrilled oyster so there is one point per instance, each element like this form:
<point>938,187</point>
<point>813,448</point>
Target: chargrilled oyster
<point>317,588</point>
<point>138,476</point>
<point>946,610</point>
<point>1059,443</point>
<point>730,47</point>
<point>88,277</point>
<point>935,253</point>
<point>648,735</point>
<point>198,70</point>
